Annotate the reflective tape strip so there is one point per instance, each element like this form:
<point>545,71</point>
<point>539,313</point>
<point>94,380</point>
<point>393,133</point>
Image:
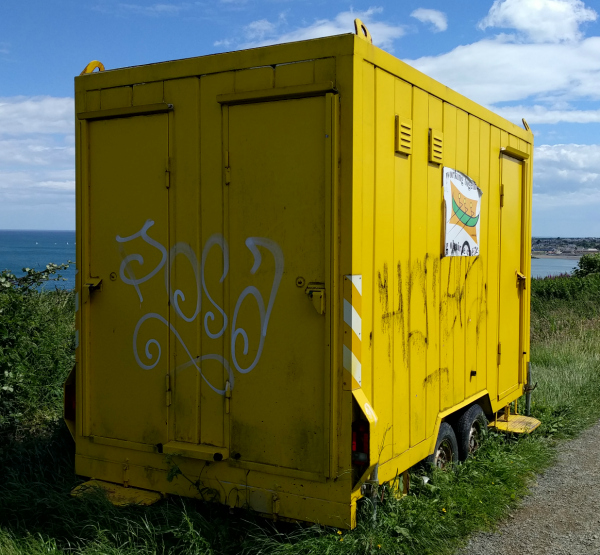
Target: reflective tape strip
<point>352,318</point>
<point>352,364</point>
<point>356,280</point>
<point>352,346</point>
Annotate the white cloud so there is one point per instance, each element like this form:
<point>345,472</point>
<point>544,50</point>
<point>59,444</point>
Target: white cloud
<point>567,169</point>
<point>30,185</point>
<point>4,48</point>
<point>40,114</point>
<point>540,20</point>
<point>435,17</point>
<point>224,42</point>
<point>37,158</point>
<point>489,71</point>
<point>264,32</point>
<point>258,30</point>
<point>154,9</point>
<point>540,114</point>
<point>35,151</point>
<point>566,190</point>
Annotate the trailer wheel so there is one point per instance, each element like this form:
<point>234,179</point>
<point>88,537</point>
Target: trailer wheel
<point>470,429</point>
<point>446,448</point>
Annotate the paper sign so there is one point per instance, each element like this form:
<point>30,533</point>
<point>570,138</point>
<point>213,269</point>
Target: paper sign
<point>462,199</point>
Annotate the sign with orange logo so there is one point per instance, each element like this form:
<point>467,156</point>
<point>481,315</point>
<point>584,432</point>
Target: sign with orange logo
<point>462,198</point>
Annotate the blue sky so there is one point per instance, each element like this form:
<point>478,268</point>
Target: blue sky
<point>538,59</point>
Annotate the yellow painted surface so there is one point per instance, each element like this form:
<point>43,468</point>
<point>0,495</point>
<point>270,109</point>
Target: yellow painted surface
<point>516,424</point>
<point>118,495</point>
<point>260,266</point>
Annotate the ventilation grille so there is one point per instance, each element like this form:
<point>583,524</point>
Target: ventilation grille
<point>403,135</point>
<point>436,146</point>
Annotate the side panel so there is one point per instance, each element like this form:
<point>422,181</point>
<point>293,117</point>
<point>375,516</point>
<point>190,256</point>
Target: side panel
<point>510,286</point>
<point>473,277</point>
<point>435,317</point>
<point>493,283</point>
<point>185,292</point>
<point>417,284</point>
<point>128,328</point>
<point>383,247</point>
<point>279,282</point>
<point>401,271</point>
<point>432,270</point>
<point>449,266</point>
<point>463,264</point>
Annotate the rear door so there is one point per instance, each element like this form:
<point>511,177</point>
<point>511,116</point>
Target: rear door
<point>127,313</point>
<point>278,229</point>
<point>511,310</point>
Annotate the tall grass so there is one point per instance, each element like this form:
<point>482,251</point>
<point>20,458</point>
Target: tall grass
<point>37,515</point>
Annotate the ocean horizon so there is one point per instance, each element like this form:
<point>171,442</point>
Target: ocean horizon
<point>37,248</point>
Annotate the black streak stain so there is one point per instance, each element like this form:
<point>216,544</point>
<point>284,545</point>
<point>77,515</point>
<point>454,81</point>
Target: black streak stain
<point>436,269</point>
<point>400,311</point>
<point>384,296</point>
<point>424,290</point>
<point>435,376</point>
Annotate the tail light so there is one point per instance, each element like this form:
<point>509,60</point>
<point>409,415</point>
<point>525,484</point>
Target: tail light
<point>360,443</point>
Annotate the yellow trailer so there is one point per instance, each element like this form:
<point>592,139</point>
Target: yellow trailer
<point>299,266</point>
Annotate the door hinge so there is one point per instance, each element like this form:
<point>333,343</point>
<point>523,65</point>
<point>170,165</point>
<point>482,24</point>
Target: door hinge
<point>501,195</point>
<point>125,469</point>
<point>168,392</point>
<point>227,169</point>
<point>499,353</point>
<point>227,397</point>
<point>168,173</point>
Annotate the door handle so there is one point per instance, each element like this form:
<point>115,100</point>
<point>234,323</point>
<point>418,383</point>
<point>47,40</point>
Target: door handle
<point>522,279</point>
<point>316,293</point>
<point>93,284</point>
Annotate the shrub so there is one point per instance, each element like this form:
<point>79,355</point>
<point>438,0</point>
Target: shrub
<point>36,349</point>
<point>588,264</point>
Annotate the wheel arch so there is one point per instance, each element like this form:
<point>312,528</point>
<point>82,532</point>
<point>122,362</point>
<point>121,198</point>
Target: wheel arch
<point>452,414</point>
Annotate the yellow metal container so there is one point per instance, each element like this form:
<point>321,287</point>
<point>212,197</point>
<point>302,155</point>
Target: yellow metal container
<point>268,278</point>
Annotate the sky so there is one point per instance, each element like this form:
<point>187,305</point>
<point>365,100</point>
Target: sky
<point>532,59</point>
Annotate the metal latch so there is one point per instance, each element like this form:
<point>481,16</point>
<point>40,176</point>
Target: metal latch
<point>316,292</point>
<point>522,279</point>
<point>92,284</point>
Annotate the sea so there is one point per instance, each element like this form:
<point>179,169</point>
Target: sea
<point>545,267</point>
<point>35,249</point>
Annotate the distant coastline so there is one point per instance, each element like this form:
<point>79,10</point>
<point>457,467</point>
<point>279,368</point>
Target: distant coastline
<point>559,256</point>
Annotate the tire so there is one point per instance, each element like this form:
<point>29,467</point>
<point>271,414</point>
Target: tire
<point>446,449</point>
<point>470,429</point>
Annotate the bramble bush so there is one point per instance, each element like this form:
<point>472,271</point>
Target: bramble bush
<point>36,349</point>
<point>588,264</point>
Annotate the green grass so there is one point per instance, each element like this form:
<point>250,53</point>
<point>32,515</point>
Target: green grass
<point>37,515</point>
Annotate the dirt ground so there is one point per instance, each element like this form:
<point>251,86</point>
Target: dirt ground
<point>561,516</point>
